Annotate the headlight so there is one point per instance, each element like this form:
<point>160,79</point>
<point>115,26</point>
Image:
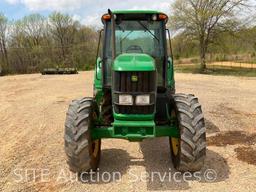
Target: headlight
<point>143,100</point>
<point>125,100</point>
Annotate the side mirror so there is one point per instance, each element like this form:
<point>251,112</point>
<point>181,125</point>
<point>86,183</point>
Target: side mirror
<point>98,59</point>
<point>170,62</point>
<point>99,43</point>
<point>98,68</point>
<point>100,64</point>
<point>170,44</point>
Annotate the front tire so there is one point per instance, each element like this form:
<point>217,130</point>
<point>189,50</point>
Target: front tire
<point>189,150</point>
<point>106,109</point>
<point>83,154</point>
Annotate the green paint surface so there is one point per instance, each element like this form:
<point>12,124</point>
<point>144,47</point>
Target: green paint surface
<point>134,62</point>
<point>135,130</point>
<point>170,74</point>
<point>134,117</point>
<point>98,74</point>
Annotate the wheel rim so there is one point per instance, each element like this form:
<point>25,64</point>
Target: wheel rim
<point>94,115</point>
<point>175,145</point>
<point>96,145</point>
<point>175,142</point>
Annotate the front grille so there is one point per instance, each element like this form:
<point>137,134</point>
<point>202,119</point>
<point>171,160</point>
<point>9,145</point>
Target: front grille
<point>145,84</point>
<point>123,82</point>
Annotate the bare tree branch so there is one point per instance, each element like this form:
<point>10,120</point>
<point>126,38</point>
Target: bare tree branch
<point>201,17</point>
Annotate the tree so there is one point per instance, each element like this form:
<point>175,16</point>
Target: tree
<point>34,26</point>
<point>35,42</point>
<point>3,50</point>
<point>85,49</point>
<point>200,18</point>
<point>62,28</point>
<point>18,51</point>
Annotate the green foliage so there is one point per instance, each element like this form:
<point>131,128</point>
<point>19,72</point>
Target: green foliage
<point>227,45</point>
<point>3,44</point>
<point>201,19</point>
<point>36,42</point>
<point>254,46</point>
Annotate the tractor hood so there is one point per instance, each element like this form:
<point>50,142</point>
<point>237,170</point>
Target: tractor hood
<point>134,62</point>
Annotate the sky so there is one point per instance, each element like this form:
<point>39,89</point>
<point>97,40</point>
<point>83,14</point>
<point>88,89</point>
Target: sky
<point>88,12</point>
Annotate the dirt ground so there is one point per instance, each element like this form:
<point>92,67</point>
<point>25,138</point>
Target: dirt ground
<point>32,115</point>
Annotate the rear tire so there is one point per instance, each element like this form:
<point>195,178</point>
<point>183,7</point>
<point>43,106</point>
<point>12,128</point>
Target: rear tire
<point>190,152</point>
<point>83,154</point>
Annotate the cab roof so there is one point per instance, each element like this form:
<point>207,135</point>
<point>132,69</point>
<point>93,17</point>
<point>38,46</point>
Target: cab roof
<point>136,11</point>
<point>131,12</point>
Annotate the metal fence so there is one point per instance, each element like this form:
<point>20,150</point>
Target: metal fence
<point>232,64</point>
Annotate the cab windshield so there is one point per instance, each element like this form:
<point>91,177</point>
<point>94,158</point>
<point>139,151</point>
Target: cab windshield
<point>134,36</point>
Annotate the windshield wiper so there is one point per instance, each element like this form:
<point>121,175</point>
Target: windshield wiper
<point>121,41</point>
<point>126,36</point>
<point>148,30</point>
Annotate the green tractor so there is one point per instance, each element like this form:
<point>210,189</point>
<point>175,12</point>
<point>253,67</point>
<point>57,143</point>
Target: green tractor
<point>134,95</point>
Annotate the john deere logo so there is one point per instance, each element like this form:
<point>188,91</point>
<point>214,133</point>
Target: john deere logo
<point>134,78</point>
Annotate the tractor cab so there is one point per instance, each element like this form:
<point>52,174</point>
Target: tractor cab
<point>135,65</point>
<point>136,34</point>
